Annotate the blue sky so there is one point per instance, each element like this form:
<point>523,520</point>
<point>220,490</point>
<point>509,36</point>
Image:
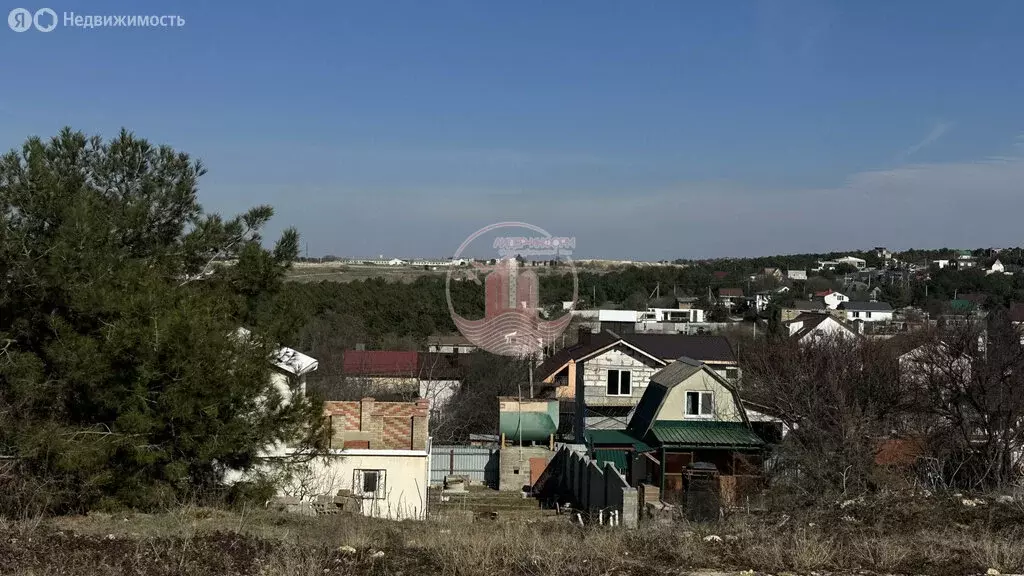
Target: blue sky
<point>646,130</point>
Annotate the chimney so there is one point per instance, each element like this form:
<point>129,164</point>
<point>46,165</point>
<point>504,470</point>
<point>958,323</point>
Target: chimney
<point>360,346</point>
<point>583,335</point>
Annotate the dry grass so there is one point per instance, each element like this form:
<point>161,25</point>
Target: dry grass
<point>211,541</point>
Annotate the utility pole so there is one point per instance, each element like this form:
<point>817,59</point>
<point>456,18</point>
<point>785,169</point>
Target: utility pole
<point>531,375</point>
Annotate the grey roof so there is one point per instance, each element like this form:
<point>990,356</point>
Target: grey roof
<point>867,306</point>
<point>676,372</point>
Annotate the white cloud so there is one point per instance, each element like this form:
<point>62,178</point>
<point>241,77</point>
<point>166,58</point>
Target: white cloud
<point>937,131</point>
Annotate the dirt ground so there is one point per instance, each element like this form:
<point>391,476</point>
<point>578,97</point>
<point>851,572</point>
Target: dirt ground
<point>928,537</point>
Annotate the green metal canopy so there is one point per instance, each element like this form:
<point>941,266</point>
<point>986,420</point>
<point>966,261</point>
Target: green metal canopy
<point>677,433</point>
<point>616,457</point>
<point>605,438</point>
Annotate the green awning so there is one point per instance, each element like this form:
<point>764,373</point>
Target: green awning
<point>688,434</point>
<point>605,438</point>
<point>616,457</point>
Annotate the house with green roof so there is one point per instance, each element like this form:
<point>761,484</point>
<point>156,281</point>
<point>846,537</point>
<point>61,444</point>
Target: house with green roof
<point>688,414</point>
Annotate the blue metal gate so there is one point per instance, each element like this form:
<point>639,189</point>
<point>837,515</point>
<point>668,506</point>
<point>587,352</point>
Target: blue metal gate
<point>478,464</point>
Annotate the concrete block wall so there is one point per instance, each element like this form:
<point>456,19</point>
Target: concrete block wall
<point>595,376</point>
<point>378,425</point>
<point>514,465</point>
<point>593,488</point>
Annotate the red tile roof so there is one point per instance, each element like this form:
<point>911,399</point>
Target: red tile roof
<point>380,363</point>
<point>823,294</point>
<point>391,363</point>
<point>730,292</point>
<point>720,275</point>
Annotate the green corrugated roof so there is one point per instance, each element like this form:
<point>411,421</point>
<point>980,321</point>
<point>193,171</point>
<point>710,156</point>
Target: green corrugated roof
<point>961,305</point>
<point>705,434</point>
<point>614,438</point>
<point>616,457</point>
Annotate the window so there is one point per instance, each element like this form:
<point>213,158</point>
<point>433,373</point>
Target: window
<point>867,314</point>
<point>732,373</point>
<point>700,404</point>
<point>369,483</point>
<point>856,314</point>
<point>619,383</point>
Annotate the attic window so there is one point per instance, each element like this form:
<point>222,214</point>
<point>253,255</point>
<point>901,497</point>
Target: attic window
<point>700,404</point>
<point>619,383</point>
<point>732,372</point>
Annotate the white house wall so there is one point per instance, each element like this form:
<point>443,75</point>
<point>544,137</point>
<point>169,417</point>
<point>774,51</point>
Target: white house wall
<point>674,406</point>
<point>876,316</point>
<point>439,392</point>
<point>406,477</point>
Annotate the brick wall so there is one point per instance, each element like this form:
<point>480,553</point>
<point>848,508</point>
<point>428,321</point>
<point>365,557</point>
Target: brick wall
<point>378,425</point>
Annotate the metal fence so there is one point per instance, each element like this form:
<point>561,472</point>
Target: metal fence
<point>478,464</point>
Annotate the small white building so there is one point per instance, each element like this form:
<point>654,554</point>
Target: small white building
<point>453,344</point>
<point>867,311</point>
<point>858,263</point>
<point>673,315</point>
<point>618,315</point>
<point>796,274</point>
<point>832,298</point>
<point>377,464</point>
<point>997,268</point>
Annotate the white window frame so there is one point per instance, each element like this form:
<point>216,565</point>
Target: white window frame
<point>867,314</point>
<point>735,369</point>
<point>358,483</point>
<point>701,404</point>
<point>618,382</point>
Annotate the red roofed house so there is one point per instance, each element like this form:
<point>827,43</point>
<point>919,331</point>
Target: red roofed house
<point>832,298</point>
<point>728,297</point>
<point>382,372</point>
<point>405,375</point>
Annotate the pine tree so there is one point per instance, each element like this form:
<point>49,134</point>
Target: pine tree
<point>121,375</point>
